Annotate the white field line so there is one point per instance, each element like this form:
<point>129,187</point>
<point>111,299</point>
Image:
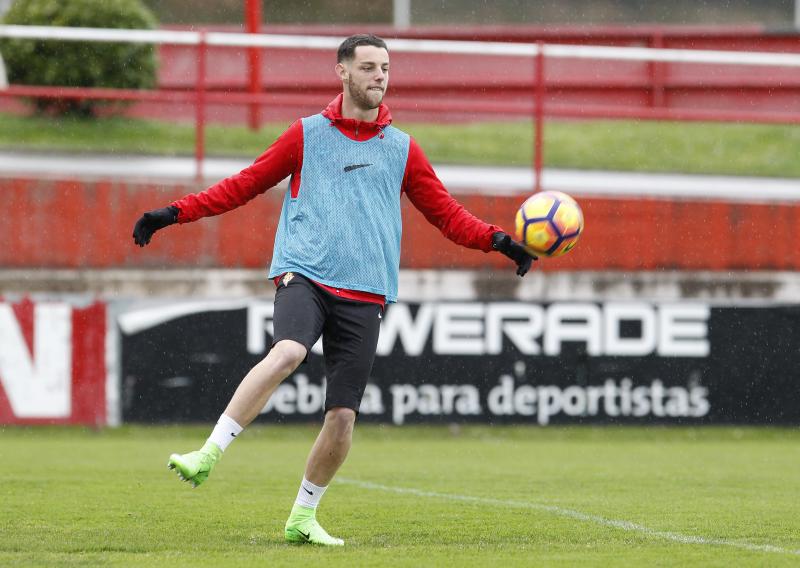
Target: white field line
<point>577,515</point>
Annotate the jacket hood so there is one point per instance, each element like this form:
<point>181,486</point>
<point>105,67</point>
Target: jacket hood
<point>333,112</point>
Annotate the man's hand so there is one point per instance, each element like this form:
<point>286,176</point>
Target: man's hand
<point>502,242</point>
<point>152,221</point>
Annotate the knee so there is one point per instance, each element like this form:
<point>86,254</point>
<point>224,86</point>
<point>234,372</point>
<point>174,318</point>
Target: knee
<point>340,421</point>
<point>288,355</point>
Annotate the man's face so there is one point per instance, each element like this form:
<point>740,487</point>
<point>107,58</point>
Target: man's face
<point>366,76</point>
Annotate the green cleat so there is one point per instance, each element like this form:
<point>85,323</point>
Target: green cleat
<point>194,467</point>
<point>303,527</point>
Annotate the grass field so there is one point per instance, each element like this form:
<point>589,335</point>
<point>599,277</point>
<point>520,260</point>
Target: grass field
<point>475,496</point>
<point>700,148</point>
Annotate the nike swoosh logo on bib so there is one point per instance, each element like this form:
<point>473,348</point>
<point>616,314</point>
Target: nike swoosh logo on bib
<point>355,167</point>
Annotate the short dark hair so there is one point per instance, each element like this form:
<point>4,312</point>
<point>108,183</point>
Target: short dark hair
<point>347,49</point>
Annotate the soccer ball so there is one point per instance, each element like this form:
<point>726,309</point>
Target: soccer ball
<point>549,223</point>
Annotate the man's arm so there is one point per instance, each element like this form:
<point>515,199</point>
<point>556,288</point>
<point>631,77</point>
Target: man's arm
<point>276,163</point>
<point>280,160</point>
<point>427,193</point>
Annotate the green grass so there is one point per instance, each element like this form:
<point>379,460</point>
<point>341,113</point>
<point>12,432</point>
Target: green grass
<point>80,498</point>
<point>700,148</point>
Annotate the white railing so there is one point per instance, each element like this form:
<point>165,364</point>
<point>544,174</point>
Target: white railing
<point>403,45</point>
<point>538,51</point>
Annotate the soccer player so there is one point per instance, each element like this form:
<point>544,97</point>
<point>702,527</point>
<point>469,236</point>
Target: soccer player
<point>335,262</point>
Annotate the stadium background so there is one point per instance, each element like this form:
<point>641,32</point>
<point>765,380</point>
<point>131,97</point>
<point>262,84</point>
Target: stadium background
<point>633,403</point>
<point>669,300</point>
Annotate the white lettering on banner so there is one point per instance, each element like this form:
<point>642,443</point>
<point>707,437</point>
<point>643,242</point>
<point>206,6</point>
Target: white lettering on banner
<point>38,384</point>
<point>372,401</point>
<point>619,399</point>
<point>573,322</point>
<point>682,330</point>
<point>439,400</point>
<point>615,314</point>
<point>668,330</point>
<point>305,397</point>
<point>413,333</point>
<point>521,323</point>
<point>615,399</point>
<point>459,329</point>
<point>259,320</point>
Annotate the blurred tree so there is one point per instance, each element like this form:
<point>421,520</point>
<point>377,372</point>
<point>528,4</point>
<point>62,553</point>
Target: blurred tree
<point>198,12</point>
<point>275,11</point>
<point>79,64</point>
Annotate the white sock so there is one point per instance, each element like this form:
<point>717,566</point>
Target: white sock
<point>309,494</point>
<point>225,432</point>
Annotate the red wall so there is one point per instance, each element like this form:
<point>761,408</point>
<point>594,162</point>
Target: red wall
<point>442,87</point>
<point>480,83</point>
<point>88,225</point>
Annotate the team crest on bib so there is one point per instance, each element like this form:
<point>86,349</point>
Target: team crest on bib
<point>287,278</point>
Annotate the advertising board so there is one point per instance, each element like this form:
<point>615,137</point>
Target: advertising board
<point>52,363</point>
<point>491,362</point>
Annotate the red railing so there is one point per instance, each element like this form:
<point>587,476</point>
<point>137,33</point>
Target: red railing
<point>537,107</point>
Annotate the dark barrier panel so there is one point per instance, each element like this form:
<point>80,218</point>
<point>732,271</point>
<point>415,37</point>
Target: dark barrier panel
<point>500,362</point>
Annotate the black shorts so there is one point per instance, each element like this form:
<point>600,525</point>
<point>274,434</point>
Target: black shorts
<point>349,329</point>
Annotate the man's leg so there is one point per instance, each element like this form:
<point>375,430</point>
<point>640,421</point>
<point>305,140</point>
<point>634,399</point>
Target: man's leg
<point>327,455</point>
<point>349,339</point>
<point>298,318</point>
<point>247,402</point>
<point>331,447</point>
<point>258,385</point>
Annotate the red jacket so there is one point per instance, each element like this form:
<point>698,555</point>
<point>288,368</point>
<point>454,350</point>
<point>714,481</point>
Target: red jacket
<point>285,157</point>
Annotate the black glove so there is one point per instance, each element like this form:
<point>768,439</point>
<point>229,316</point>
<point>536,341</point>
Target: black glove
<point>152,221</point>
<point>502,242</point>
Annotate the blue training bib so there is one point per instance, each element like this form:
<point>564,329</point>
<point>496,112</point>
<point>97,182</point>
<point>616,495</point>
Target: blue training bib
<point>344,227</point>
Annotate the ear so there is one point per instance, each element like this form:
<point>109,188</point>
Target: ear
<point>341,70</point>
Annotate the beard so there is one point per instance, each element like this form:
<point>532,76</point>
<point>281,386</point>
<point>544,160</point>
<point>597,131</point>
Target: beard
<point>363,97</point>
